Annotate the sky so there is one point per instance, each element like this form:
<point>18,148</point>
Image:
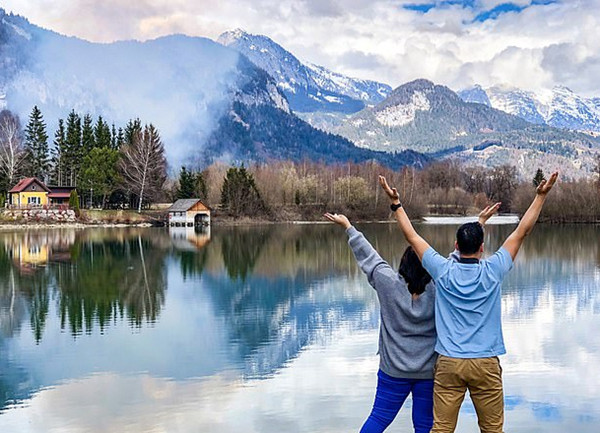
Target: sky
<point>531,44</point>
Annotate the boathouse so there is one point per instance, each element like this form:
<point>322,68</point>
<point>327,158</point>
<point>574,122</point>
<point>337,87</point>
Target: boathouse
<point>189,212</point>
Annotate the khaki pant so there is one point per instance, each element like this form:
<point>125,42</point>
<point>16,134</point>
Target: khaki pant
<point>483,378</point>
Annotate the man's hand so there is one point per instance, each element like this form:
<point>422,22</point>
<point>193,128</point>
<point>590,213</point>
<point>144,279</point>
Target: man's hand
<point>546,185</point>
<point>487,213</point>
<point>392,193</point>
<point>338,219</point>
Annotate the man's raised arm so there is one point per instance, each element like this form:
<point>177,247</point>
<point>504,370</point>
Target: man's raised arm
<point>419,244</point>
<point>514,241</point>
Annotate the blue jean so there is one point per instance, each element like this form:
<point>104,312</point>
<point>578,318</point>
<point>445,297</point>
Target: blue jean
<point>390,396</point>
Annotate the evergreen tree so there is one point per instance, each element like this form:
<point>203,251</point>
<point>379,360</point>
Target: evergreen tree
<point>120,138</point>
<point>239,195</point>
<point>59,175</point>
<point>113,137</point>
<point>102,134</point>
<point>132,129</point>
<point>36,146</point>
<point>73,154</point>
<point>74,202</point>
<point>88,141</point>
<point>100,172</point>
<point>201,187</point>
<point>187,184</point>
<point>538,178</point>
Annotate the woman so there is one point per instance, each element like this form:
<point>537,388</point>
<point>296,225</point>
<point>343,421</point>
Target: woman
<point>406,334</point>
<point>407,329</point>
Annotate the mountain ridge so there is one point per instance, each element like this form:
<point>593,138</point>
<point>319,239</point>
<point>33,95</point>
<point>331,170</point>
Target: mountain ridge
<point>307,86</point>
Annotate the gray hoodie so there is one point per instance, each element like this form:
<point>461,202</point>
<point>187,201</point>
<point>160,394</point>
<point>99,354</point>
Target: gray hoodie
<point>407,332</point>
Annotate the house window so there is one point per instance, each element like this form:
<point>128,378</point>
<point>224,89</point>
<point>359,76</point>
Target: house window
<point>33,187</point>
<point>34,200</point>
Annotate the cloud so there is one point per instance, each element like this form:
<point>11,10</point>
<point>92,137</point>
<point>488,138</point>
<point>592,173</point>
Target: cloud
<point>439,40</point>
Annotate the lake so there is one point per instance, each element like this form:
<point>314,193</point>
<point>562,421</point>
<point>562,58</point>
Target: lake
<point>264,329</point>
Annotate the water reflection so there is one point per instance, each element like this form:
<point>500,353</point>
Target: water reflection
<point>190,316</point>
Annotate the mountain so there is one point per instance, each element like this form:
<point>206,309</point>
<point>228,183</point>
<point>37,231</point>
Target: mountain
<point>426,117</point>
<point>308,87</point>
<point>559,107</point>
<point>432,119</point>
<point>191,88</point>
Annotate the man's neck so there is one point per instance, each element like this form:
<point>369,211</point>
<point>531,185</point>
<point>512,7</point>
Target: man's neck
<point>470,258</point>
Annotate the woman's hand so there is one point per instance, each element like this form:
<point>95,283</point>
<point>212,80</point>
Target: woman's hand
<point>339,219</point>
<point>392,193</point>
<point>487,213</point>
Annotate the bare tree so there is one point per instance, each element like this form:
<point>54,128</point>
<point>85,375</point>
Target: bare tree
<point>12,152</point>
<point>144,165</point>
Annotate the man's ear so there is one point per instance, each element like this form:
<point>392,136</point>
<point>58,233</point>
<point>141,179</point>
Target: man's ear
<point>481,248</point>
<point>456,245</point>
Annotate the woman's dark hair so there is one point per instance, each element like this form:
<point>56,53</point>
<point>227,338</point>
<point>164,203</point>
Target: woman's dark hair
<point>413,272</point>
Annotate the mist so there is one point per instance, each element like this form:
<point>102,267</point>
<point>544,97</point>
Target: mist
<point>181,84</point>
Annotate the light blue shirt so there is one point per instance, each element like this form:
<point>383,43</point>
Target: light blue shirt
<point>467,304</point>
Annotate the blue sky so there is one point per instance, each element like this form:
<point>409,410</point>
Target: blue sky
<point>531,44</point>
<point>482,13</point>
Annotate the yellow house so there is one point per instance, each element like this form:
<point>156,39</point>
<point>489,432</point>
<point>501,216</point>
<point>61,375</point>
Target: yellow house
<point>29,192</point>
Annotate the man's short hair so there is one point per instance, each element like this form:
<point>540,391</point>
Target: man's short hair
<point>469,238</point>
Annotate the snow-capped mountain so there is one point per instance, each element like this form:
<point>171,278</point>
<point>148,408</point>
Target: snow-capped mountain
<point>433,119</point>
<point>308,87</point>
<point>559,107</point>
<point>475,94</point>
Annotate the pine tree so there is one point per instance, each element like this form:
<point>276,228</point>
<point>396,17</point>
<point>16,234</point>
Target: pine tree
<point>538,178</point>
<point>88,141</point>
<point>100,172</point>
<point>201,187</point>
<point>239,195</point>
<point>73,154</point>
<point>102,134</point>
<point>113,137</point>
<point>36,145</point>
<point>132,128</point>
<point>187,184</point>
<point>120,138</point>
<point>59,175</point>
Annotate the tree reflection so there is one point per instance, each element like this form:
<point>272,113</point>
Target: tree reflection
<point>111,279</point>
<point>95,279</point>
<point>241,248</point>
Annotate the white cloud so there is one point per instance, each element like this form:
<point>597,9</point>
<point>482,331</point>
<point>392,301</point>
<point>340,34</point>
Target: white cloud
<point>444,44</point>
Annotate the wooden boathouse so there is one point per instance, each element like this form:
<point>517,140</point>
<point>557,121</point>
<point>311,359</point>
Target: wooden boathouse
<point>189,212</point>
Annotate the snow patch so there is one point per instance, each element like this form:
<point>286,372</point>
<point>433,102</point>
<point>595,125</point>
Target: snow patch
<point>333,99</point>
<point>18,30</point>
<point>403,114</point>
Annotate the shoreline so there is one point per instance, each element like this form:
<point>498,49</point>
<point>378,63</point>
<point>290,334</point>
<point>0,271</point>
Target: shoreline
<point>429,220</point>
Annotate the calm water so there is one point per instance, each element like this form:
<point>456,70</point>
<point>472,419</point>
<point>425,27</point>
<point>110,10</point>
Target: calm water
<point>263,329</point>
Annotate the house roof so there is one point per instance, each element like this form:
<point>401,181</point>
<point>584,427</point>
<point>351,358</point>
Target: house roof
<point>184,204</point>
<point>24,183</point>
<point>59,195</point>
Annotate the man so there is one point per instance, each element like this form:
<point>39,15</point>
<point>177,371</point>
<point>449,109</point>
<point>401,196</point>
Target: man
<point>468,314</point>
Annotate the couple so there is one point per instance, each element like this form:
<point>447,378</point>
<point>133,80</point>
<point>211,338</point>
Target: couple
<point>437,357</point>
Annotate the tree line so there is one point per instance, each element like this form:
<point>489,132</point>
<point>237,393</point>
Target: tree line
<point>284,190</point>
<point>126,167</point>
<point>109,166</point>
